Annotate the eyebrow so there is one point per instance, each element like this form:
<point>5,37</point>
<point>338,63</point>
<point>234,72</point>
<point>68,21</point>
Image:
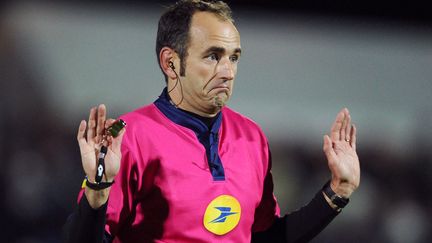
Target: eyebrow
<point>218,49</point>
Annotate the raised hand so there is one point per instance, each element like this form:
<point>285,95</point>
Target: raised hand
<point>340,150</point>
<point>90,145</point>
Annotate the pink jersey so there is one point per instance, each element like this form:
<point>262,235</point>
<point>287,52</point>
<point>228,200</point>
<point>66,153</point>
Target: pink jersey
<point>165,191</point>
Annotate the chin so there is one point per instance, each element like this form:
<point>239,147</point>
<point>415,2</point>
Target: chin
<point>220,100</point>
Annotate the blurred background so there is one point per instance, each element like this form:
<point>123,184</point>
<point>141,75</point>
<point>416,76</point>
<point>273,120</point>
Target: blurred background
<point>302,62</point>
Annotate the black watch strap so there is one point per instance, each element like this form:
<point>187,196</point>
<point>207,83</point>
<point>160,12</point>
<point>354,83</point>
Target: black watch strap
<point>337,200</point>
<point>97,186</point>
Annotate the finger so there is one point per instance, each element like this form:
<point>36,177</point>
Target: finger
<point>353,137</point>
<point>101,114</point>
<point>343,130</point>
<point>109,122</point>
<point>348,128</point>
<point>336,127</point>
<point>91,124</point>
<point>81,132</point>
<point>328,149</point>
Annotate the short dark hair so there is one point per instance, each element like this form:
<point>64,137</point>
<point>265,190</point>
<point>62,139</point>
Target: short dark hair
<point>174,25</point>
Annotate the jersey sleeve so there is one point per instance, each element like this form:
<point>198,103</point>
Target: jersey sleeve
<point>268,208</point>
<point>301,225</point>
<point>86,224</point>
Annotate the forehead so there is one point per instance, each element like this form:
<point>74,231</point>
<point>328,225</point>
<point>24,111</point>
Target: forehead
<point>207,29</point>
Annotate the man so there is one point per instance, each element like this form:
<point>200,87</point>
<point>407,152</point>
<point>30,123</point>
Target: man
<point>188,168</point>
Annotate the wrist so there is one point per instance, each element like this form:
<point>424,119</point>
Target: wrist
<point>335,200</point>
<point>96,193</point>
<point>330,203</point>
<point>342,189</point>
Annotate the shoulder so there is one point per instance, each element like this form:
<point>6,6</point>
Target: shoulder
<point>241,123</point>
<point>138,114</point>
<point>142,118</point>
<point>239,119</point>
<point>140,123</point>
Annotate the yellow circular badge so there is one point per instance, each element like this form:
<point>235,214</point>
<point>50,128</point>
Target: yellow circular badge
<point>222,215</point>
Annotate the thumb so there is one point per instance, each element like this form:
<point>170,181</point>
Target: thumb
<point>116,142</point>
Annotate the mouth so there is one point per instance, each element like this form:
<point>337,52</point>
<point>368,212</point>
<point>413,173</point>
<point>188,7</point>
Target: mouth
<point>218,86</point>
<point>221,87</point>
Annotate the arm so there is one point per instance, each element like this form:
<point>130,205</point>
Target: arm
<point>87,222</point>
<point>305,223</point>
<point>301,225</point>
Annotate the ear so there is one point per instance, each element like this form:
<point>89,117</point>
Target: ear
<point>166,56</point>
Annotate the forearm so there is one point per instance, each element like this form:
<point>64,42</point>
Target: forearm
<point>301,225</point>
<point>304,224</point>
<point>97,199</point>
<point>86,224</point>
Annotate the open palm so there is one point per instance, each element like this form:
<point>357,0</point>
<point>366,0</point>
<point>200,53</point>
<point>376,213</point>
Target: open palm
<point>91,143</point>
<point>340,150</point>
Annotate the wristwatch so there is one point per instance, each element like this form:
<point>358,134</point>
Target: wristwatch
<point>337,200</point>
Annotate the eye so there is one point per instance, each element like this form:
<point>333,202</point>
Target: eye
<point>234,58</point>
<point>213,57</point>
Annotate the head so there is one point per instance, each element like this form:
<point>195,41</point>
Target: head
<point>203,45</point>
<point>174,25</point>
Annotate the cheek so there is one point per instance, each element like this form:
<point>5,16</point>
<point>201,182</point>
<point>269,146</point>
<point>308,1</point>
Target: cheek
<point>204,72</point>
<point>198,71</point>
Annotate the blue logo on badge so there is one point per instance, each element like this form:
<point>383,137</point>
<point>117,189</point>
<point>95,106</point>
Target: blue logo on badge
<point>225,212</point>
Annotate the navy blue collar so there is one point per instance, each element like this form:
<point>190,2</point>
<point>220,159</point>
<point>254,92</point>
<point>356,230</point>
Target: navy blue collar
<point>209,138</point>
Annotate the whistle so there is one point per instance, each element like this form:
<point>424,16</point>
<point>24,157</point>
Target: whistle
<point>115,128</point>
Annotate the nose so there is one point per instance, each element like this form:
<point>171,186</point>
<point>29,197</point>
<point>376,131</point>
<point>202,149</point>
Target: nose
<point>227,69</point>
